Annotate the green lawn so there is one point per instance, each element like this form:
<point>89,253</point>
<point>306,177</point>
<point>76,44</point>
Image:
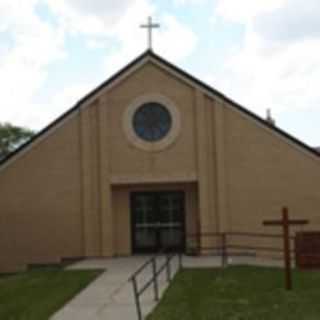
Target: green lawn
<point>240,293</point>
<point>37,294</point>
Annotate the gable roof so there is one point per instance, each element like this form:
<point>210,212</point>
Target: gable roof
<point>139,59</point>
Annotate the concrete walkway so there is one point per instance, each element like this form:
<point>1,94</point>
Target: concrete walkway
<point>110,296</point>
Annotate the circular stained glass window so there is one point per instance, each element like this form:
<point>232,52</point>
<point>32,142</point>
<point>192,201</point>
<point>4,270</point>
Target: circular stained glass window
<point>152,121</point>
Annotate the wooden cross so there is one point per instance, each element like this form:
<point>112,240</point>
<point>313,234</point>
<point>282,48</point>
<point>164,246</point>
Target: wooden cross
<point>285,222</point>
<point>150,26</point>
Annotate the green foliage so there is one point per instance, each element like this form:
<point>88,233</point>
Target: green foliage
<point>11,137</point>
<point>240,293</point>
<point>37,294</point>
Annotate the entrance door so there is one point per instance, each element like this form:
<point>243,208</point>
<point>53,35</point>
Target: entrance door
<point>157,221</point>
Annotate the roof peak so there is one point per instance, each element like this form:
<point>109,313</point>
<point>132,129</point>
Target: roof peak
<point>184,74</point>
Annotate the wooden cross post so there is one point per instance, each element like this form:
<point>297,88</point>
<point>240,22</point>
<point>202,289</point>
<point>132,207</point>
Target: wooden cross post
<point>285,222</point>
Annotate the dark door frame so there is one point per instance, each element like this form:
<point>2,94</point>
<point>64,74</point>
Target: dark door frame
<point>155,193</point>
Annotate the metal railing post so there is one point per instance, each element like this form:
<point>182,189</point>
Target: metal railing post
<point>156,271</point>
<point>155,279</point>
<point>136,298</point>
<point>224,254</point>
<point>180,260</point>
<point>168,267</point>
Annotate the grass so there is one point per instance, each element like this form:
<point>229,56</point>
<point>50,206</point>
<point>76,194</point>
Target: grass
<point>240,293</point>
<point>37,294</point>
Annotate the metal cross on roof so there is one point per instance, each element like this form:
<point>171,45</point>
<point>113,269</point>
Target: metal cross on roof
<point>150,26</point>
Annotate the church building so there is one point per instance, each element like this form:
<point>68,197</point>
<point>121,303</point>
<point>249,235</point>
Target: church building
<point>149,157</point>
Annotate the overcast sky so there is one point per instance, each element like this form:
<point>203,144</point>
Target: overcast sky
<point>263,54</point>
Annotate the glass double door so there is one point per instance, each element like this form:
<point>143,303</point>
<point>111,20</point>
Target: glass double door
<point>158,221</point>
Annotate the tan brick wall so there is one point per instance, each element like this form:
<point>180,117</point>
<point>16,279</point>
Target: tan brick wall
<point>40,219</point>
<point>69,194</point>
<point>177,159</point>
<point>265,172</point>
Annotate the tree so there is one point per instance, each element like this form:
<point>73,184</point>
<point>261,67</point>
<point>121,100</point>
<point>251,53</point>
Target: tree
<point>11,137</point>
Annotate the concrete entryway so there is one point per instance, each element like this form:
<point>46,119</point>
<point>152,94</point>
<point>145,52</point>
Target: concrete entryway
<point>110,296</point>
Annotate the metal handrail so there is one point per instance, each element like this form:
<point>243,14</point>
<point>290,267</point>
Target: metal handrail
<point>236,234</point>
<point>226,244</point>
<point>156,271</point>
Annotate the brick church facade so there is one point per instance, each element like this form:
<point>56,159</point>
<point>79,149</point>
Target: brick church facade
<point>147,158</point>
